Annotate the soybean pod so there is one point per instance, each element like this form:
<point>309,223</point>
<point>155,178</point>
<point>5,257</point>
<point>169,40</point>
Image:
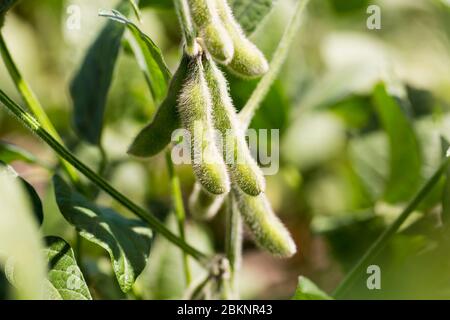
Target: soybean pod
<point>244,169</point>
<point>211,29</point>
<point>194,107</point>
<point>267,229</point>
<point>248,61</point>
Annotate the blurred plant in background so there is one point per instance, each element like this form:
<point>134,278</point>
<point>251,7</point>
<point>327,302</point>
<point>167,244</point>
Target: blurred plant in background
<point>363,118</point>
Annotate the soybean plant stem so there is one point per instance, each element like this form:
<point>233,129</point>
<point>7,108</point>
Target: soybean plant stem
<point>33,103</point>
<point>279,57</point>
<point>180,212</point>
<point>383,240</point>
<point>233,243</point>
<point>31,123</point>
<point>184,15</point>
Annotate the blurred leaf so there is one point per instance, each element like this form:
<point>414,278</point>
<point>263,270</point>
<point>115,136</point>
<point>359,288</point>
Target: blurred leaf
<point>405,153</point>
<point>6,5</point>
<point>66,282</point>
<point>89,89</point>
<point>32,194</point>
<point>446,191</point>
<point>307,290</point>
<point>250,13</point>
<point>158,134</point>
<point>20,241</point>
<point>148,56</point>
<point>357,232</point>
<point>370,160</point>
<point>348,6</point>
<point>127,241</point>
<point>10,153</point>
<point>356,112</point>
<point>165,4</point>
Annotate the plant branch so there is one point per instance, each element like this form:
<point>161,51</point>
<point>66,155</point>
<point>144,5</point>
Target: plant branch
<point>382,241</point>
<point>279,57</point>
<point>233,243</point>
<point>33,103</point>
<point>31,123</point>
<point>180,212</point>
<point>183,12</point>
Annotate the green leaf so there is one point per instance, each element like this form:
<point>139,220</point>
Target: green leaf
<point>20,240</point>
<point>33,196</point>
<point>89,88</point>
<point>148,56</point>
<point>127,241</point>
<point>405,159</point>
<point>307,290</point>
<point>66,282</point>
<point>6,5</point>
<point>157,135</point>
<point>445,216</point>
<point>163,4</point>
<point>250,13</point>
<point>10,153</point>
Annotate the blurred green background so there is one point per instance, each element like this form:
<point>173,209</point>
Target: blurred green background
<point>348,163</point>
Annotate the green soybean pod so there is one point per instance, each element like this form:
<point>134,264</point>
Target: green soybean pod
<point>211,29</point>
<point>157,135</point>
<point>267,229</point>
<point>204,205</point>
<point>248,61</point>
<point>194,106</point>
<point>244,169</point>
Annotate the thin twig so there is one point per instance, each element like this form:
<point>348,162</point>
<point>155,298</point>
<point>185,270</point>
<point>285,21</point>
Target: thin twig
<point>180,212</point>
<point>184,15</point>
<point>233,243</point>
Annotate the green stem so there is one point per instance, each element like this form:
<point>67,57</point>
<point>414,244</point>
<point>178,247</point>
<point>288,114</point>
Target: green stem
<point>198,290</point>
<point>383,240</point>
<point>183,12</point>
<point>32,124</point>
<point>78,249</point>
<point>233,243</point>
<point>103,160</point>
<point>180,212</point>
<point>136,10</point>
<point>33,104</point>
<point>279,57</point>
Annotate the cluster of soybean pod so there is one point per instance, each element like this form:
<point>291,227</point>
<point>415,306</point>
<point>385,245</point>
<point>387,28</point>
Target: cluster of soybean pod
<point>199,101</point>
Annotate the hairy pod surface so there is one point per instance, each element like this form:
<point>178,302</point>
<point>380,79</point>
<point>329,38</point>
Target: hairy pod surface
<point>157,135</point>
<point>248,61</point>
<point>211,30</point>
<point>244,169</point>
<point>267,229</point>
<point>204,205</point>
<point>195,107</point>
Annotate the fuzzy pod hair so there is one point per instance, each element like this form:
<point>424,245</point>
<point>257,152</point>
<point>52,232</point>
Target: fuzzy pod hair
<point>248,61</point>
<point>204,205</point>
<point>267,229</point>
<point>211,29</point>
<point>194,107</point>
<point>243,168</point>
